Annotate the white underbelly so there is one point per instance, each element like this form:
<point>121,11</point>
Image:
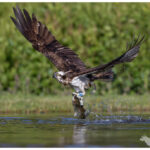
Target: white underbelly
<point>80,83</point>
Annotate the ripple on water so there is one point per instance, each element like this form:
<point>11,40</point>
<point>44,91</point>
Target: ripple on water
<point>98,120</point>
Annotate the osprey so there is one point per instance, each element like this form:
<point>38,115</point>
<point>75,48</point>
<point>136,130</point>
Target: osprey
<point>72,71</point>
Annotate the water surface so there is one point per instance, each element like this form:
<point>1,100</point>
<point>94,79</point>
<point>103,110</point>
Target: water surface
<point>62,130</point>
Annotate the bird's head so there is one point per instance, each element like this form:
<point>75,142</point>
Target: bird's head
<point>59,75</point>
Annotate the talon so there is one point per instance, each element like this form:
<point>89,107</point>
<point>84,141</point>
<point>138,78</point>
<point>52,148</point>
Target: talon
<point>75,94</point>
<point>78,104</point>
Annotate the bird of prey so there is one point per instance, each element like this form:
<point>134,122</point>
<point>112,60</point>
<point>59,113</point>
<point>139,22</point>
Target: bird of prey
<point>71,69</point>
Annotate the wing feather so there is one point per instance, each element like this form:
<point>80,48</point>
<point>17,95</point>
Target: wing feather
<point>131,52</point>
<point>43,41</point>
<point>27,17</point>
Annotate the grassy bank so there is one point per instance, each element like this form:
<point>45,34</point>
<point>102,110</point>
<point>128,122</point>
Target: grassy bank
<point>18,103</point>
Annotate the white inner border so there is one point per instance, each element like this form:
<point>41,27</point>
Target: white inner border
<point>75,1</point>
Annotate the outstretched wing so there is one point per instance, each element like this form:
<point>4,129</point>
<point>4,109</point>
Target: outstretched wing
<point>43,41</point>
<point>128,56</point>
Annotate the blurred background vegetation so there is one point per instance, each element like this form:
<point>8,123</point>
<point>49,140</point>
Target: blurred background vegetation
<point>97,32</point>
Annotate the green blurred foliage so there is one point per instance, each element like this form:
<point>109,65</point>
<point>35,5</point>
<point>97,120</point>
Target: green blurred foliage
<point>97,32</point>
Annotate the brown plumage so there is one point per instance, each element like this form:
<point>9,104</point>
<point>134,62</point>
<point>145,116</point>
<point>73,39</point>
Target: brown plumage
<point>43,41</point>
<point>62,57</point>
<point>132,51</point>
